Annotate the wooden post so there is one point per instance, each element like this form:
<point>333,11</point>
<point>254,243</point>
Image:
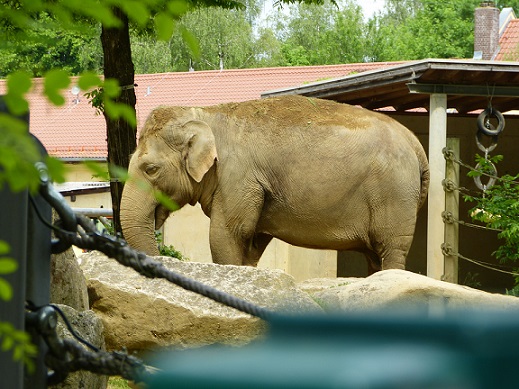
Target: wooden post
<point>436,202</point>
<point>452,174</point>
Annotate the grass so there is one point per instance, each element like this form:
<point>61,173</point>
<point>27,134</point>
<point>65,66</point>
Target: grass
<point>117,383</point>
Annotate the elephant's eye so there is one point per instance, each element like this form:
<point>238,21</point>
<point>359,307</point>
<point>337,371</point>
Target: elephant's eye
<point>151,169</point>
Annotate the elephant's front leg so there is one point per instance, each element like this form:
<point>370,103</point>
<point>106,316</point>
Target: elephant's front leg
<point>233,240</point>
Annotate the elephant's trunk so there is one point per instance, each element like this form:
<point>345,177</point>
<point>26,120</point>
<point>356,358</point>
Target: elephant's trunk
<point>138,218</point>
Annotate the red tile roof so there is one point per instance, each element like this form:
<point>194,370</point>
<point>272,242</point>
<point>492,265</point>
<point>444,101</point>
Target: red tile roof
<point>509,42</point>
<point>74,131</point>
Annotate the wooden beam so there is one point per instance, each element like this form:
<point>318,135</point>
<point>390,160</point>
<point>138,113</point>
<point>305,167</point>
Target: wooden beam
<point>465,90</point>
<point>452,209</point>
<point>436,202</point>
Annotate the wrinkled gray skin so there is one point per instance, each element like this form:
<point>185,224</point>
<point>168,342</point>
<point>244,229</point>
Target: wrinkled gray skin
<point>313,173</point>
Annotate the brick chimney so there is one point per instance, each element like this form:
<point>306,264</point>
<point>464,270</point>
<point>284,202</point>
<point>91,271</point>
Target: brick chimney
<point>486,30</point>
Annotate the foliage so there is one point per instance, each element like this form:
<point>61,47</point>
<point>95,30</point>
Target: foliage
<point>20,343</point>
<point>498,208</point>
<point>328,34</point>
<point>149,55</point>
<point>117,383</point>
<point>508,3</point>
<point>168,251</point>
<point>514,291</point>
<point>471,280</point>
<point>7,266</point>
<point>430,29</point>
<point>197,37</point>
<point>12,339</point>
<point>18,151</point>
<point>225,40</point>
<point>45,46</point>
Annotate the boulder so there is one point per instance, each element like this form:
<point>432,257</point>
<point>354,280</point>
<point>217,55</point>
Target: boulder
<point>141,313</point>
<point>314,285</point>
<point>67,282</point>
<point>90,328</point>
<point>403,289</point>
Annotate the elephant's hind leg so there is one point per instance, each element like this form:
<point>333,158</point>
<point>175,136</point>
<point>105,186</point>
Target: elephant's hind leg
<point>373,261</point>
<point>393,252</point>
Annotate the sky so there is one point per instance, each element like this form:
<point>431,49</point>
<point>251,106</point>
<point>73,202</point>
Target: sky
<point>369,7</point>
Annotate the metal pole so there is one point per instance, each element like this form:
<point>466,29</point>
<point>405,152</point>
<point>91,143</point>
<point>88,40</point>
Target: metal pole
<point>436,202</point>
<point>13,230</point>
<point>30,244</point>
<point>38,274</point>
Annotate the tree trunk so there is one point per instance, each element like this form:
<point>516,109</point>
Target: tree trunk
<point>121,136</point>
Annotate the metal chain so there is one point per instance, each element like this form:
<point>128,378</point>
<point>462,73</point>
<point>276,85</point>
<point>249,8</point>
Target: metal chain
<point>447,250</point>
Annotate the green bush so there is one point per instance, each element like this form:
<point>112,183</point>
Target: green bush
<point>498,208</point>
<point>168,251</point>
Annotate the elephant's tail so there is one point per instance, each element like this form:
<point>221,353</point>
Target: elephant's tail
<point>424,174</point>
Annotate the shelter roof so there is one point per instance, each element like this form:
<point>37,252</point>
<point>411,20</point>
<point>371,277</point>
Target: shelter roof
<point>469,84</point>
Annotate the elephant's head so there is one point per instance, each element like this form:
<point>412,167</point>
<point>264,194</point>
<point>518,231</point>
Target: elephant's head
<point>173,156</point>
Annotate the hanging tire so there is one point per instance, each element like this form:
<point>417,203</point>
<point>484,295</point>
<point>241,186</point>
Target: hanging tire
<point>491,180</point>
<point>485,126</point>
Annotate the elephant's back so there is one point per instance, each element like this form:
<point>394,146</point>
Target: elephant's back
<point>296,111</point>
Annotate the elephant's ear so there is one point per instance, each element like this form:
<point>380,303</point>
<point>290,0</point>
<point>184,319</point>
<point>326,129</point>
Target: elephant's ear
<point>200,150</point>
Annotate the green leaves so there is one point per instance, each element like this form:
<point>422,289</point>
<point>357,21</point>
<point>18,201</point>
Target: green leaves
<point>118,173</point>
<point>7,266</point>
<point>54,82</point>
<point>20,343</point>
<point>18,153</point>
<point>165,21</point>
<point>136,11</point>
<point>10,337</point>
<point>99,171</point>
<point>56,168</point>
<point>18,84</point>
<point>103,98</point>
<point>191,42</point>
<point>165,25</point>
<point>498,208</point>
<point>88,80</point>
<point>166,201</point>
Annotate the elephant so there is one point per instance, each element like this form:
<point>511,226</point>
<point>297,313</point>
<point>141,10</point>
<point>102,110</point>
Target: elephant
<point>311,172</point>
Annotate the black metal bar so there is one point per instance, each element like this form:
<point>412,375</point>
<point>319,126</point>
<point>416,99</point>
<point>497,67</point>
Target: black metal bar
<point>13,230</point>
<point>38,275</point>
<point>30,244</point>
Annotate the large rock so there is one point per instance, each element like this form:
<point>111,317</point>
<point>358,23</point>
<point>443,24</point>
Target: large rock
<point>141,313</point>
<point>400,288</point>
<point>90,328</point>
<point>67,282</point>
<point>314,285</point>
